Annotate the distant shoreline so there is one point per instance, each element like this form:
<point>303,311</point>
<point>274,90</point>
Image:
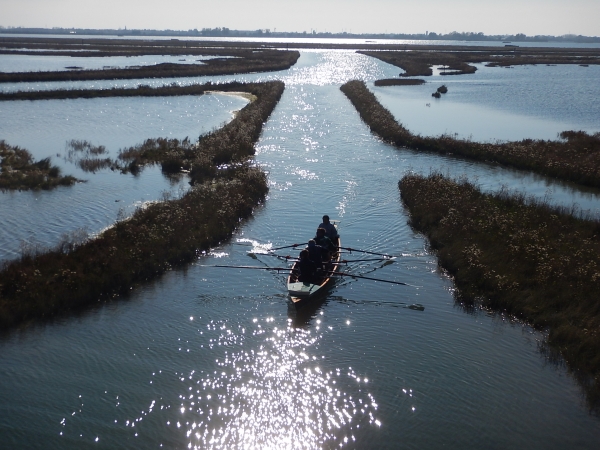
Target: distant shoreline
<point>262,33</point>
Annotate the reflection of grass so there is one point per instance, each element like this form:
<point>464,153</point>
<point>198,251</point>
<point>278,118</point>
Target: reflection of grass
<point>519,257</point>
<point>85,155</point>
<point>155,238</point>
<point>575,158</point>
<point>20,172</point>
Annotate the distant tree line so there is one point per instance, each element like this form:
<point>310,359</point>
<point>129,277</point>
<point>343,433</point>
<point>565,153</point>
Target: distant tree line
<point>226,32</point>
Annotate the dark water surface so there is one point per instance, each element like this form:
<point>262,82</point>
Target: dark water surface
<point>218,358</point>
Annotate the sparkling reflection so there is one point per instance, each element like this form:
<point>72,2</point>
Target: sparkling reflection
<point>278,395</point>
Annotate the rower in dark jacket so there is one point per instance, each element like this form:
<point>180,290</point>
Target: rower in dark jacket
<point>308,269</point>
<point>322,240</point>
<point>316,253</point>
<point>330,229</point>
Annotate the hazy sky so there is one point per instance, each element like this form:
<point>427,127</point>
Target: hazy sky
<point>552,17</point>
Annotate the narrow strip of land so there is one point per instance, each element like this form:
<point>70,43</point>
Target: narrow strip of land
<point>518,257</point>
<point>245,61</point>
<point>459,61</point>
<point>576,158</point>
<point>162,235</point>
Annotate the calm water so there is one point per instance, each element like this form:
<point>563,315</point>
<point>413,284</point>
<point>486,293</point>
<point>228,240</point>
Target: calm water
<point>34,63</point>
<point>217,358</point>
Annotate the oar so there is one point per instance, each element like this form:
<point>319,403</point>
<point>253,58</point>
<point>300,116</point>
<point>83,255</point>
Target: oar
<point>247,267</point>
<point>369,278</point>
<point>389,260</point>
<point>365,251</point>
<point>287,246</point>
<point>286,258</point>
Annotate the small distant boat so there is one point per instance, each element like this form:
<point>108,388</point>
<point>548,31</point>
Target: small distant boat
<point>301,292</point>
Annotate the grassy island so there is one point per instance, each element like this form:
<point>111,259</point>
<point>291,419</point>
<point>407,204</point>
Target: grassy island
<point>513,255</point>
<point>458,60</point>
<point>236,62</point>
<point>398,82</point>
<point>156,238</point>
<point>576,158</point>
<point>19,171</point>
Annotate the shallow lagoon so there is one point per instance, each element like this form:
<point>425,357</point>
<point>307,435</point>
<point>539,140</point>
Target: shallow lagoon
<point>216,358</point>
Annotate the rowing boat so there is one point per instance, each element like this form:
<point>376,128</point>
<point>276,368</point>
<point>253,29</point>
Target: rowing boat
<point>300,292</point>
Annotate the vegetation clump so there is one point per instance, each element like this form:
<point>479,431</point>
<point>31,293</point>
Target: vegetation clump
<point>419,63</point>
<point>455,60</point>
<point>160,236</point>
<point>246,61</point>
<point>520,257</point>
<point>575,157</point>
<point>399,82</point>
<point>19,171</point>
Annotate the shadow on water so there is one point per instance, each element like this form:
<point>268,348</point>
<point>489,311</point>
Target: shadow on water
<point>87,310</point>
<point>303,315</point>
<point>589,395</point>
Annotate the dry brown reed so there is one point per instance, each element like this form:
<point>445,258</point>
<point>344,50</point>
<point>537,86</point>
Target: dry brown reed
<point>399,82</point>
<point>246,61</point>
<point>520,257</point>
<point>458,60</point>
<point>19,171</point>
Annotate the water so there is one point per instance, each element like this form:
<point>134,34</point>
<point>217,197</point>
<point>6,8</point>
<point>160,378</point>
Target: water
<point>34,63</point>
<point>500,103</point>
<point>45,127</point>
<point>217,358</point>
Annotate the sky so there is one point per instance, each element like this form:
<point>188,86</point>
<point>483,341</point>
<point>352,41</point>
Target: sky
<point>531,17</point>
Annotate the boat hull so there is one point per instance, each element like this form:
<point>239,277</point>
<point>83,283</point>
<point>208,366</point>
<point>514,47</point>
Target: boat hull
<point>301,292</point>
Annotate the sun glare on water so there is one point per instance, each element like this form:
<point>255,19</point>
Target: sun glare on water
<point>276,396</point>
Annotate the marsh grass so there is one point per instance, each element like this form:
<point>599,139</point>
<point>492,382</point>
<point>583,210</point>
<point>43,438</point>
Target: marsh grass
<point>518,256</point>
<point>174,155</point>
<point>264,60</point>
<point>417,63</point>
<point>19,171</point>
<point>399,82</point>
<point>575,157</point>
<point>458,60</point>
<point>155,238</point>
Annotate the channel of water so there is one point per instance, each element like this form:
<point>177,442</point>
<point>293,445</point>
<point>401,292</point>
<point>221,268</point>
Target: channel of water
<point>217,358</point>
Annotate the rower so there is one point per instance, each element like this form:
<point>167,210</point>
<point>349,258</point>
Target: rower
<point>308,269</point>
<point>330,229</point>
<point>316,253</point>
<point>322,240</point>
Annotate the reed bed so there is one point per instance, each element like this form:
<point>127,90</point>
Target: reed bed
<point>399,82</point>
<point>246,62</point>
<point>520,257</point>
<point>19,171</point>
<point>156,238</point>
<point>142,90</point>
<point>458,61</point>
<point>574,158</point>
